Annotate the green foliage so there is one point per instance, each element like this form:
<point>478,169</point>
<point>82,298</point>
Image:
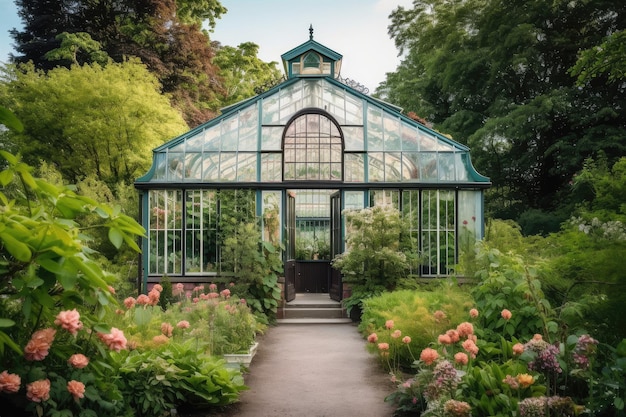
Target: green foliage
<point>606,59</point>
<point>90,120</point>
<point>412,311</point>
<point>506,281</point>
<point>377,257</point>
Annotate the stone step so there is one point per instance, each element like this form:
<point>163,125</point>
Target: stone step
<point>313,321</point>
<point>314,312</point>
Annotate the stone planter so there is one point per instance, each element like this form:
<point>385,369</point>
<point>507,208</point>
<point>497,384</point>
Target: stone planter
<point>237,360</point>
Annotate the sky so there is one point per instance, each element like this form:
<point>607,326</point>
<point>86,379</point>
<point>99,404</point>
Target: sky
<point>356,29</point>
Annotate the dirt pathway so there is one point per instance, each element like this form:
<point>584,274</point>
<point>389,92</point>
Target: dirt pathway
<point>313,370</point>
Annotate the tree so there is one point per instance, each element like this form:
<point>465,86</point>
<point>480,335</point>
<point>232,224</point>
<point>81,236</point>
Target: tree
<point>169,41</point>
<point>243,72</point>
<point>496,75</point>
<point>90,120</point>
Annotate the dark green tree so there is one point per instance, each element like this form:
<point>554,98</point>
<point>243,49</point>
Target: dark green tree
<point>496,76</point>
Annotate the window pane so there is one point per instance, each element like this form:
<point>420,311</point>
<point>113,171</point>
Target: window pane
<point>392,133</point>
<point>410,171</point>
<point>246,167</point>
<point>376,171</point>
<point>393,167</point>
<point>354,167</point>
<point>270,110</point>
<point>374,130</point>
<point>248,128</point>
<point>271,138</point>
<point>229,134</point>
<point>165,231</point>
<point>353,138</point>
<point>228,166</point>
<point>211,166</point>
<point>175,166</point>
<point>271,167</point>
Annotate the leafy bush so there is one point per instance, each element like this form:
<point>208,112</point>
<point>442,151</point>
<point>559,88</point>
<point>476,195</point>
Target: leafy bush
<point>420,315</point>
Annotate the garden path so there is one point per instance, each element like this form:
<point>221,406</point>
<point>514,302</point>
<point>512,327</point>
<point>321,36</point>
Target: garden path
<point>313,370</point>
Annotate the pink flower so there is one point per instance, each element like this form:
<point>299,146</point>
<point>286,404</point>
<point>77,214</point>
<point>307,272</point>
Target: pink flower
<point>518,349</point>
<point>77,389</point>
<point>183,324</point>
<point>372,338</point>
<point>180,286</point>
<point>160,339</point>
<point>129,302</point>
<point>114,340</point>
<point>470,347</point>
<point>461,358</point>
<point>39,344</point>
<point>212,287</point>
<point>465,329</point>
<point>167,329</point>
<point>439,316</point>
<point>38,391</point>
<point>69,320</point>
<point>243,301</point>
<point>158,287</point>
<point>9,383</point>
<point>444,339</point>
<point>383,346</point>
<point>213,295</point>
<point>154,296</point>
<point>506,314</point>
<point>396,334</point>
<point>389,324</point>
<point>406,340</point>
<point>225,293</point>
<point>473,313</point>
<point>537,337</point>
<point>78,360</point>
<point>143,300</point>
<point>232,284</point>
<point>428,356</point>
<point>454,335</point>
<point>111,289</point>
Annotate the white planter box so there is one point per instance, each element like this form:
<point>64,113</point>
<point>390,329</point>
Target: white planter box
<point>236,360</point>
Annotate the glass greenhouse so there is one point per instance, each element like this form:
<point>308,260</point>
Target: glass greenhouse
<point>305,150</point>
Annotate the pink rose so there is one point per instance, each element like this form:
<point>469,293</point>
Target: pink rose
<point>389,324</point>
<point>77,389</point>
<point>429,355</point>
<point>78,360</point>
<point>69,320</point>
<point>9,383</point>
<point>38,391</point>
<point>114,340</point>
<point>506,314</point>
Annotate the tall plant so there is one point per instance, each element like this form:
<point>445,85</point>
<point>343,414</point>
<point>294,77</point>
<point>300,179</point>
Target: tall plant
<point>377,255</point>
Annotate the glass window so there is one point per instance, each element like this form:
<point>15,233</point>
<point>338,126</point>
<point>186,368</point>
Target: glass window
<point>200,231</point>
<point>437,241</point>
<point>354,167</point>
<point>165,232</point>
<point>312,149</point>
<point>271,167</point>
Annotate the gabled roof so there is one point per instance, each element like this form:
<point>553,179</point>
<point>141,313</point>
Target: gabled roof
<point>311,45</point>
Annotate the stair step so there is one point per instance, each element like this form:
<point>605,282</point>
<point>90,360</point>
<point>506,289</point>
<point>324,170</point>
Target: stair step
<point>313,312</point>
<point>313,321</point>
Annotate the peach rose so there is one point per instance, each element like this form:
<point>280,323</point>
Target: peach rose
<point>428,356</point>
<point>78,361</point>
<point>506,314</point>
<point>77,389</point>
<point>9,383</point>
<point>69,320</point>
<point>38,391</point>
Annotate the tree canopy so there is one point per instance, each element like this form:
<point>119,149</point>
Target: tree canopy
<point>90,120</point>
<point>497,75</point>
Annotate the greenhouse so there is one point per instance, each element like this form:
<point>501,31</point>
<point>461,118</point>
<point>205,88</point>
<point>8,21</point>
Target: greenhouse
<point>296,157</point>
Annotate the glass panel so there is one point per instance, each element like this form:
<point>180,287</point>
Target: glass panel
<point>246,167</point>
<point>353,200</point>
<point>374,130</point>
<point>312,149</point>
<point>271,138</point>
<point>461,162</point>
<point>211,166</point>
<point>271,167</point>
<point>428,166</point>
<point>248,127</point>
<point>410,171</point>
<point>290,101</point>
<point>470,214</point>
<point>313,93</point>
<point>392,133</point>
<point>410,213</point>
<point>376,171</point>
<point>410,138</point>
<point>165,231</point>
<point>354,110</point>
<point>228,166</point>
<point>200,231</point>
<point>194,143</point>
<point>193,166</point>
<point>353,138</point>
<point>354,167</point>
<point>175,165</point>
<point>159,166</point>
<point>229,133</point>
<point>446,167</point>
<point>334,100</point>
<point>212,138</point>
<point>272,216</point>
<point>438,232</point>
<point>393,167</point>
<point>385,198</point>
<point>270,110</point>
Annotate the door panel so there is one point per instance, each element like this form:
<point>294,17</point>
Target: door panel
<point>336,287</point>
<point>290,250</point>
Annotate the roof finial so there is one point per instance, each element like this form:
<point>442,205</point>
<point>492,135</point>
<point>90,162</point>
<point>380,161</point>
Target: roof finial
<point>311,32</point>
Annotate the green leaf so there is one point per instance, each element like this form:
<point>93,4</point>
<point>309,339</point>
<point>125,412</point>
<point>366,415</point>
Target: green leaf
<point>116,237</point>
<point>6,177</point>
<point>17,249</point>
<point>9,120</point>
<point>6,322</point>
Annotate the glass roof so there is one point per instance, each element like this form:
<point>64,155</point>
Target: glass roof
<point>245,144</point>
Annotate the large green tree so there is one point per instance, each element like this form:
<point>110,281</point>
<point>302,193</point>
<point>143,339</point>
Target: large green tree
<point>166,35</point>
<point>90,120</point>
<point>496,75</point>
